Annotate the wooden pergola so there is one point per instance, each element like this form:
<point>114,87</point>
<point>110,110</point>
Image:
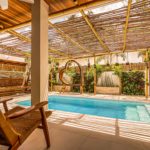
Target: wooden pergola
<point>84,33</point>
<point>117,31</point>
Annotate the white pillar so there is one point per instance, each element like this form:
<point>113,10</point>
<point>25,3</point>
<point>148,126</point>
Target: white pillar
<point>39,59</point>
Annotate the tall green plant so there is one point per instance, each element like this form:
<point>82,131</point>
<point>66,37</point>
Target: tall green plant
<point>89,80</point>
<point>142,54</point>
<point>133,83</point>
<point>99,59</point>
<point>117,70</point>
<point>76,80</point>
<point>99,69</point>
<point>71,72</point>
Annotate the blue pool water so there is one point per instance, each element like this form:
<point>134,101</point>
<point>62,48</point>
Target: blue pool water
<point>136,111</point>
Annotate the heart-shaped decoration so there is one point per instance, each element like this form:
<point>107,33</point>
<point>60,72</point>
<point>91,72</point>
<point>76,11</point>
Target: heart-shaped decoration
<point>67,65</point>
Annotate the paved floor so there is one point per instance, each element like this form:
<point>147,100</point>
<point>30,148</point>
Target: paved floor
<point>69,131</point>
<point>72,131</point>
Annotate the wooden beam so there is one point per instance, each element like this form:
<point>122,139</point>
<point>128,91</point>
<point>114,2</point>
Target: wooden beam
<point>24,38</point>
<point>105,47</point>
<point>95,77</point>
<point>146,75</point>
<point>126,24</point>
<point>58,52</point>
<point>20,36</point>
<point>28,54</point>
<point>75,9</point>
<point>102,54</point>
<point>68,38</point>
<point>16,27</point>
<point>51,78</point>
<point>15,50</point>
<point>89,5</point>
<point>82,81</point>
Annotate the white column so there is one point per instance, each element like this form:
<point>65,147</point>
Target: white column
<point>39,59</point>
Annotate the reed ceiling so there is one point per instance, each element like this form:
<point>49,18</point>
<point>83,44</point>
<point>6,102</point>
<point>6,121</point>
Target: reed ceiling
<point>110,32</point>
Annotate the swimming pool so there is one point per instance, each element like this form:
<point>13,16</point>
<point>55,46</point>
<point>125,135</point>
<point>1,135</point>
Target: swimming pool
<point>135,111</point>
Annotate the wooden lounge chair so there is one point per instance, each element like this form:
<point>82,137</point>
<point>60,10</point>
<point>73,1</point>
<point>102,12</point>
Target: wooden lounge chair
<point>18,123</point>
<point>4,101</point>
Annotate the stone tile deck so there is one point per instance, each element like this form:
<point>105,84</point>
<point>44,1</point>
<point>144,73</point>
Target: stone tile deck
<point>72,131</point>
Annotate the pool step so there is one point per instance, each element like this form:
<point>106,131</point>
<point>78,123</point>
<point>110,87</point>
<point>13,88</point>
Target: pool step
<point>143,114</point>
<point>131,114</point>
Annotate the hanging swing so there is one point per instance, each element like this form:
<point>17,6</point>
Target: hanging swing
<point>67,65</point>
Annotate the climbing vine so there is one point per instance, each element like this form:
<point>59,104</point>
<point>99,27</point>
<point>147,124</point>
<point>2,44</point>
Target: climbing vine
<point>133,83</point>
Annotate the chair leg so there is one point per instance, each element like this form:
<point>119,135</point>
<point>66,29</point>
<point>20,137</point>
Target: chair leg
<point>45,127</point>
<point>14,147</point>
<point>5,106</point>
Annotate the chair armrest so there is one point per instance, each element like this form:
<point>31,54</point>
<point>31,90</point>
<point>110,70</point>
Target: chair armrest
<point>27,110</point>
<point>4,101</point>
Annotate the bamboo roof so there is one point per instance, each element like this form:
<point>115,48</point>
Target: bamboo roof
<point>89,32</point>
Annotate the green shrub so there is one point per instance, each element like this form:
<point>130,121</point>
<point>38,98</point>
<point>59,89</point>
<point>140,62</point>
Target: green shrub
<point>76,80</point>
<point>89,80</point>
<point>133,83</point>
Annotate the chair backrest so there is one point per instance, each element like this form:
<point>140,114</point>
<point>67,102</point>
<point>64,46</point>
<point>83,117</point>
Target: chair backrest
<point>9,133</point>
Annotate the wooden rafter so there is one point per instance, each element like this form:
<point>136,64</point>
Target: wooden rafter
<point>146,76</point>
<point>20,36</point>
<point>126,24</point>
<point>116,18</point>
<point>105,47</point>
<point>95,75</point>
<point>24,38</point>
<point>58,52</point>
<point>103,54</point>
<point>63,12</point>
<point>26,54</point>
<point>68,38</point>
